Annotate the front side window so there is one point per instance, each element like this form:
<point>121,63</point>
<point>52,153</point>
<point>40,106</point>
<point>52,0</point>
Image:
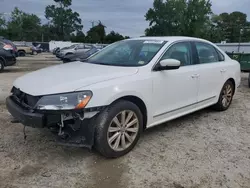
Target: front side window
<point>128,53</point>
<point>206,53</point>
<point>180,51</point>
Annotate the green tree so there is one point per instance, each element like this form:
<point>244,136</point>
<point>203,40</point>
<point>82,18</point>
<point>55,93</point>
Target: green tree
<point>23,26</point>
<point>96,34</point>
<point>113,37</point>
<point>79,37</point>
<point>233,26</point>
<point>3,26</point>
<point>63,19</point>
<point>178,17</point>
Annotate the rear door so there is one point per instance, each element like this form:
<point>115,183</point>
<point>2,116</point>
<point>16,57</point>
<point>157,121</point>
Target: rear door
<point>210,67</point>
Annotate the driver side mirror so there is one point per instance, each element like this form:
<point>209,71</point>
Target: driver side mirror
<point>168,64</point>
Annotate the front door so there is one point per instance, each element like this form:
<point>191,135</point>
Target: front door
<point>175,90</point>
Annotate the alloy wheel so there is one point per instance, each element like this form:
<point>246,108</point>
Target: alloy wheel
<point>123,130</point>
<point>227,95</point>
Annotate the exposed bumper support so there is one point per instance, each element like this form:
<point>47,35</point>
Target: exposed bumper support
<point>77,131</point>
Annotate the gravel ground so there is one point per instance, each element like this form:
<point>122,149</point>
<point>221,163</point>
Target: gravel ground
<point>204,149</point>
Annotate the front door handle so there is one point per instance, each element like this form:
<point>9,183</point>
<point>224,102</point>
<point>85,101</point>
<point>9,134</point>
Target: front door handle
<point>223,70</point>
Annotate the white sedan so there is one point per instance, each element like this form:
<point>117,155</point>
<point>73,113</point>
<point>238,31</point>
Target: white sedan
<point>108,100</point>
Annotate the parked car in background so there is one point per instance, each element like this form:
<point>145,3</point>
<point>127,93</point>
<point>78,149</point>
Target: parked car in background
<point>79,56</point>
<point>36,49</point>
<point>130,85</point>
<point>22,50</point>
<point>9,42</point>
<point>55,50</point>
<point>7,56</point>
<point>79,48</point>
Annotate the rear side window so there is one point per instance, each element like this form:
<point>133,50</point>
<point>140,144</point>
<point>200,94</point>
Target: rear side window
<point>206,53</point>
<point>80,46</point>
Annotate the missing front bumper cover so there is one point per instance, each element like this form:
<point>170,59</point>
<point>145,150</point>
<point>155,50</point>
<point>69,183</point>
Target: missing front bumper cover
<point>74,132</point>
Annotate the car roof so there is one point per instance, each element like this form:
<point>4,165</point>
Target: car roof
<point>170,38</point>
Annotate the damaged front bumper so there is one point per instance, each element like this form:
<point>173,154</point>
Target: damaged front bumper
<point>73,128</point>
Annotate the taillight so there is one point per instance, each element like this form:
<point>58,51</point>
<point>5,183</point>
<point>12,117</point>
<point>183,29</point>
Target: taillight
<point>7,47</point>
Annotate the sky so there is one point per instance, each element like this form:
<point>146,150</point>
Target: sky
<point>123,16</point>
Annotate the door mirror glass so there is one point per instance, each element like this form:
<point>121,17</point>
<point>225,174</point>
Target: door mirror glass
<point>169,64</point>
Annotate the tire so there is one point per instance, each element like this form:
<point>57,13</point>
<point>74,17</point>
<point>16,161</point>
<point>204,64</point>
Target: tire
<point>21,53</point>
<point>1,65</point>
<point>220,105</point>
<point>106,119</point>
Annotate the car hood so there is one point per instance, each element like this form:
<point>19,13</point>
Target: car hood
<point>69,77</point>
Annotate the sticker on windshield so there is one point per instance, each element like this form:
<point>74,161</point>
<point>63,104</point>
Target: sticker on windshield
<point>141,62</point>
<point>153,42</point>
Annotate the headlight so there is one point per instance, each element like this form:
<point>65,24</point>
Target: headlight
<point>66,101</point>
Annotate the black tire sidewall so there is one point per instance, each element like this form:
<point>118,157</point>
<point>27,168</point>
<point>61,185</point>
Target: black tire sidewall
<point>21,54</point>
<point>2,65</point>
<point>103,121</point>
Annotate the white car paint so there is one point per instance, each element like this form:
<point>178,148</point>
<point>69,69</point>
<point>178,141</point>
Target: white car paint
<point>166,94</point>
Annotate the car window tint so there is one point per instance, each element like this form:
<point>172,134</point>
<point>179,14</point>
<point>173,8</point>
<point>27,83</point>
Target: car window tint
<point>179,51</point>
<point>206,53</point>
<point>148,51</point>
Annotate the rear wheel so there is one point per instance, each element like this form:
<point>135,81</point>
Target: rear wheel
<point>226,96</point>
<point>1,65</point>
<point>118,129</point>
<point>21,53</point>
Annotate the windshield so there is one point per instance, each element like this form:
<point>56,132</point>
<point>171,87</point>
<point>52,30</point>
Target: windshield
<point>128,53</point>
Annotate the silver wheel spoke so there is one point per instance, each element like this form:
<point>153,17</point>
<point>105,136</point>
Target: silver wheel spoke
<point>123,118</point>
<point>113,137</point>
<point>129,117</point>
<point>131,123</point>
<point>128,137</point>
<point>114,129</point>
<point>116,121</point>
<point>123,141</point>
<point>133,130</point>
<point>224,101</point>
<point>117,142</point>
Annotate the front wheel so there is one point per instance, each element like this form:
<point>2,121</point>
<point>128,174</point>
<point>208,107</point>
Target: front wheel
<point>118,129</point>
<point>226,96</point>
